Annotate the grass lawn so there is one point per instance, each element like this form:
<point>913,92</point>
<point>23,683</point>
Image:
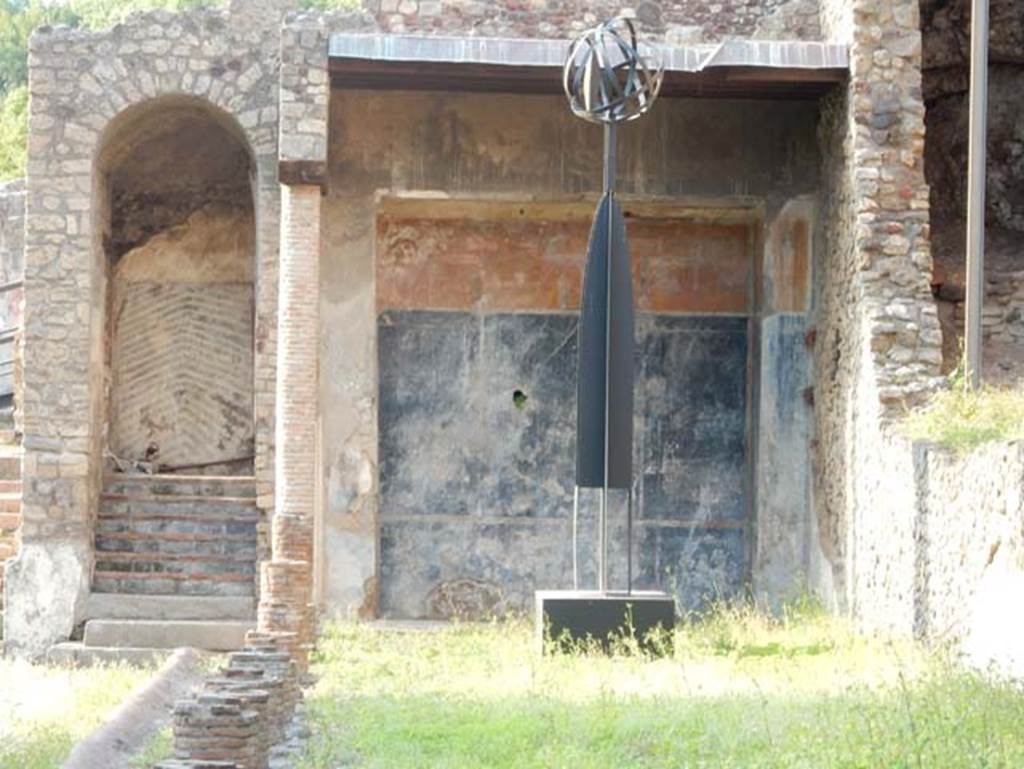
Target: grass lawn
<point>45,710</point>
<point>740,690</point>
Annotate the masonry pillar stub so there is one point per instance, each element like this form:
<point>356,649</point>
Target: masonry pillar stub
<point>286,580</point>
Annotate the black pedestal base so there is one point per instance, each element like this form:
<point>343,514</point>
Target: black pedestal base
<point>567,617</point>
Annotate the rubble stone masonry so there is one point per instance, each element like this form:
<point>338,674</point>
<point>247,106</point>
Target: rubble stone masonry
<point>85,88</point>
<point>878,344</point>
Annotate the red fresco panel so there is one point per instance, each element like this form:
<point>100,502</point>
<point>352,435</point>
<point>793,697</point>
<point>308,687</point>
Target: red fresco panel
<point>679,266</point>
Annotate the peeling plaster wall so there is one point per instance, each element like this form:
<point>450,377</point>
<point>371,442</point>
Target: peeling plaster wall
<point>475,485</point>
<point>786,554</point>
<point>182,336</point>
<point>493,149</point>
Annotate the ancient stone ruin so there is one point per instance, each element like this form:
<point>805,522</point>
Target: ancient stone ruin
<point>299,311</point>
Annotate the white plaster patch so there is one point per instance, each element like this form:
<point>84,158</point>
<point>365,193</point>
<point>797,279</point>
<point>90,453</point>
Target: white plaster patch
<point>56,576</point>
<point>350,563</point>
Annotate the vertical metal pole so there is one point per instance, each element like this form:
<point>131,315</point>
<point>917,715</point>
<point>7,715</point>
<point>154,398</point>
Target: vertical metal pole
<point>609,159</point>
<point>575,538</point>
<point>629,542</point>
<point>609,189</point>
<point>976,189</point>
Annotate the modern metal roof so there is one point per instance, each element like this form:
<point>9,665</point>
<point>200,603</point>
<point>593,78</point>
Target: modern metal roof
<point>748,68</point>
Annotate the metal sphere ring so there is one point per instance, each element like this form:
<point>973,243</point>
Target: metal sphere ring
<point>609,77</point>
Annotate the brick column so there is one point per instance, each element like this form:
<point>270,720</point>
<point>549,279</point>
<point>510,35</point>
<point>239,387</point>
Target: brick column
<point>286,580</point>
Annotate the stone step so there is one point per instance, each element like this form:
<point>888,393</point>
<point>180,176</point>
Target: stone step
<point>164,583</point>
<point>10,521</point>
<point>76,654</point>
<point>174,563</point>
<point>240,545</point>
<point>189,525</point>
<point>10,503</point>
<point>181,485</point>
<point>129,505</point>
<point>168,607</point>
<point>221,635</point>
<point>10,487</point>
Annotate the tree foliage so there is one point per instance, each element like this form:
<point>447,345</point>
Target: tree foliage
<point>13,132</point>
<point>18,19</point>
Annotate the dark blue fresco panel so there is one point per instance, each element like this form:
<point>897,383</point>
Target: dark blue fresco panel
<point>697,565</point>
<point>453,442</point>
<point>427,365</point>
<point>452,438</point>
<point>692,401</point>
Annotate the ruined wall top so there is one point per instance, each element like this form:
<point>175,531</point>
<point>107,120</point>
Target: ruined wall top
<point>684,21</point>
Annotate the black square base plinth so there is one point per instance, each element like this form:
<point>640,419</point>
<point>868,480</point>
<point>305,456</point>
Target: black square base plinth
<point>574,616</point>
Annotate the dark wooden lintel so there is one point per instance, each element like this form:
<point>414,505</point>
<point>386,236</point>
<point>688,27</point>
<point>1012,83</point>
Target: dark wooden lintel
<point>309,172</point>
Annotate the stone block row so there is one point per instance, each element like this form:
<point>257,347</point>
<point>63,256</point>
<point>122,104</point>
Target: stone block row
<point>242,711</point>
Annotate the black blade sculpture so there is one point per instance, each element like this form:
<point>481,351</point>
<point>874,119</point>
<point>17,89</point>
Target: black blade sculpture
<point>604,394</point>
<point>608,81</point>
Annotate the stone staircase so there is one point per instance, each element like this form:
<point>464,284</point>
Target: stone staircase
<point>10,504</point>
<point>177,535</point>
<point>175,566</point>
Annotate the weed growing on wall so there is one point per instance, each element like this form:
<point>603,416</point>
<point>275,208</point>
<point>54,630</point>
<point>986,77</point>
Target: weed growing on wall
<point>961,419</point>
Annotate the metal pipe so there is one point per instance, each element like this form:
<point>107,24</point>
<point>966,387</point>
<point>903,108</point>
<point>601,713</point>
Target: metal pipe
<point>609,161</point>
<point>976,190</point>
<point>575,538</point>
<point>609,189</point>
<point>629,542</point>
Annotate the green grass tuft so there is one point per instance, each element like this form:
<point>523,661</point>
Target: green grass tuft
<point>158,748</point>
<point>740,689</point>
<point>962,419</point>
<point>45,710</point>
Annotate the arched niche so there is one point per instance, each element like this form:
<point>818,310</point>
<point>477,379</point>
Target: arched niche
<point>178,239</point>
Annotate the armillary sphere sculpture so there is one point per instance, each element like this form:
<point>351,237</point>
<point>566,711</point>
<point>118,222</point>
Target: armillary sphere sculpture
<point>609,78</point>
